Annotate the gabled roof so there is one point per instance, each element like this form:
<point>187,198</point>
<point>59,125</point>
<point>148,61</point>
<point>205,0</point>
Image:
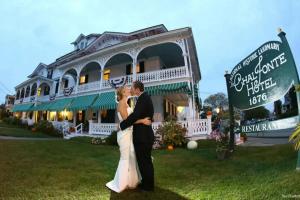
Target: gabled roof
<point>92,46</point>
<point>37,69</point>
<point>83,36</point>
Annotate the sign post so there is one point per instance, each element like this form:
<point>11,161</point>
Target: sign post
<point>265,76</point>
<point>231,117</point>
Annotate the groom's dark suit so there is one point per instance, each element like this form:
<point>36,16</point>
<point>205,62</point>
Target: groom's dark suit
<point>143,138</point>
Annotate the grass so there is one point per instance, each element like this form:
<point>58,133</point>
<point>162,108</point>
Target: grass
<point>14,131</point>
<point>75,169</point>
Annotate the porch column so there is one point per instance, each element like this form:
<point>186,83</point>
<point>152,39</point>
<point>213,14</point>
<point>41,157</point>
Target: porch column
<point>37,91</point>
<point>99,116</point>
<point>101,77</point>
<point>185,57</point>
<point>77,83</point>
<point>134,61</point>
<point>74,117</point>
<point>191,108</point>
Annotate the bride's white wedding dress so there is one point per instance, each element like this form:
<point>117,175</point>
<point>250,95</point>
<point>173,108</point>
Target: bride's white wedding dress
<point>127,174</point>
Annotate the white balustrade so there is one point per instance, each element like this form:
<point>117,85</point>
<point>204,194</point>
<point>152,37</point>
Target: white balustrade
<point>146,77</point>
<point>89,87</point>
<point>78,129</point>
<point>161,75</point>
<point>194,127</point>
<point>62,126</point>
<point>44,98</point>
<point>102,128</point>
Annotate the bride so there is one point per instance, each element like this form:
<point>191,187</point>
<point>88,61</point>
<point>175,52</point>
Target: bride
<point>127,174</point>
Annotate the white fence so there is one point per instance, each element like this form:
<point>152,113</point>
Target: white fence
<point>198,127</point>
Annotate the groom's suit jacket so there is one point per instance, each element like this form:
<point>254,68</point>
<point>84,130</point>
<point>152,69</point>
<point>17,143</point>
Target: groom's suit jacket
<point>143,108</point>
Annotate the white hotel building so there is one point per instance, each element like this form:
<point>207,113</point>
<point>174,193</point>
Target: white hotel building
<point>76,90</point>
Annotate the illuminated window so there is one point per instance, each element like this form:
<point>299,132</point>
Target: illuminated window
<point>106,74</point>
<point>138,68</point>
<point>82,80</point>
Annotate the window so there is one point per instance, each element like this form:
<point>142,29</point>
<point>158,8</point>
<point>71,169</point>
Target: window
<point>83,79</point>
<point>56,86</point>
<point>140,68</point>
<point>46,90</point>
<point>106,74</point>
<point>49,74</point>
<point>33,90</point>
<point>66,83</point>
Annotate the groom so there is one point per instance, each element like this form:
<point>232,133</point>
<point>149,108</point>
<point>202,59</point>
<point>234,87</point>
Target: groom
<point>143,136</point>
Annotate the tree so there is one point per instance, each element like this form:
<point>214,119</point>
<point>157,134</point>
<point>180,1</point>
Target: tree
<point>293,100</point>
<point>256,113</point>
<point>277,108</point>
<point>217,100</point>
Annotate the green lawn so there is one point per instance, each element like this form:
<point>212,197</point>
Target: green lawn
<point>12,130</point>
<point>75,169</point>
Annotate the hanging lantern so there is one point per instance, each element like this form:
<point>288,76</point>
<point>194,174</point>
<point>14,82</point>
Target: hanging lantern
<point>39,91</point>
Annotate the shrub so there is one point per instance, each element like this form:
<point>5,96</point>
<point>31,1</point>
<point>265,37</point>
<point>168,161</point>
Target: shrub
<point>13,121</point>
<point>244,135</point>
<point>47,128</point>
<point>97,141</point>
<point>172,133</point>
<point>112,139</point>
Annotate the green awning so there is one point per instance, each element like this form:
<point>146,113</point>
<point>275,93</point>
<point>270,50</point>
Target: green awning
<point>165,89</point>
<point>105,101</point>
<point>82,102</point>
<point>37,107</point>
<point>60,104</point>
<point>22,107</point>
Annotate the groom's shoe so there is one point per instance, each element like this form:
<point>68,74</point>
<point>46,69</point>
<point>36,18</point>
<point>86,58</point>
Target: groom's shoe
<point>143,188</point>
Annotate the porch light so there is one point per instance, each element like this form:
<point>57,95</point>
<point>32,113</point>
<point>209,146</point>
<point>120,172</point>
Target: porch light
<point>39,91</point>
<point>180,109</point>
<point>64,114</point>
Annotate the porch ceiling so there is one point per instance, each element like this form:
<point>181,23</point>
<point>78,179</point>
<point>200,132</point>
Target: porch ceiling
<point>169,53</point>
<point>179,99</point>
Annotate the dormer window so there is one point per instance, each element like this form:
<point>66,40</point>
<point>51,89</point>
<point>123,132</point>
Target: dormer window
<point>81,45</point>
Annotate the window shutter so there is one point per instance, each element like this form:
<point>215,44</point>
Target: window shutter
<point>66,83</point>
<point>86,78</point>
<point>142,67</point>
<point>128,69</point>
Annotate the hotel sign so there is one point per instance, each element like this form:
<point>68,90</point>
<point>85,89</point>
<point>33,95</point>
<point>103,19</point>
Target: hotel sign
<point>263,77</point>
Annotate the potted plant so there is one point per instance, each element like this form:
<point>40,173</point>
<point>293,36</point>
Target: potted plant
<point>243,137</point>
<point>222,144</point>
<point>72,129</point>
<point>173,134</point>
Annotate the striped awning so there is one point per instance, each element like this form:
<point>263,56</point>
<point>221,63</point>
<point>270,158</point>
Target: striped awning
<point>82,102</point>
<point>38,107</point>
<point>166,89</point>
<point>60,104</point>
<point>105,101</point>
<point>22,107</point>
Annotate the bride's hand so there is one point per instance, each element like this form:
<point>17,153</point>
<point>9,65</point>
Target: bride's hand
<point>147,121</point>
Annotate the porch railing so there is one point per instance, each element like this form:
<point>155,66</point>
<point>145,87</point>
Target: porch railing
<point>161,75</point>
<point>102,128</point>
<point>196,127</point>
<point>146,77</point>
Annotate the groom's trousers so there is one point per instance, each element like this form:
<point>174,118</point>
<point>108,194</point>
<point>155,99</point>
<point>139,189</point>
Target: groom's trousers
<point>144,160</point>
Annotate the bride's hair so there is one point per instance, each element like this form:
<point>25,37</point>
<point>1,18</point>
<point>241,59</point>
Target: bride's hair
<point>120,92</point>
